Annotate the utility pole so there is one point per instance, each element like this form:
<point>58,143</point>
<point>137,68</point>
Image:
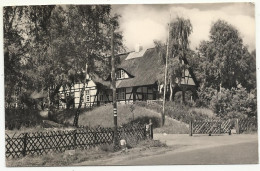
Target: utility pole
<point>165,72</point>
<point>113,77</point>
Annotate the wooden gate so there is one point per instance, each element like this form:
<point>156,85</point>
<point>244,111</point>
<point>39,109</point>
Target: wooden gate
<point>223,126</point>
<point>212,126</point>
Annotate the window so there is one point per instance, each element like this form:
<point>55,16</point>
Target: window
<point>120,74</point>
<point>87,96</point>
<point>120,95</point>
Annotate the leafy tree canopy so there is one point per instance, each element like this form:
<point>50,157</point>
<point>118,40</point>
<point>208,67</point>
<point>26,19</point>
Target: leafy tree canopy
<point>223,60</point>
<point>51,45</point>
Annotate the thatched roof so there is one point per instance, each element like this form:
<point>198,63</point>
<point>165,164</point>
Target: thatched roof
<point>142,70</point>
<point>100,81</point>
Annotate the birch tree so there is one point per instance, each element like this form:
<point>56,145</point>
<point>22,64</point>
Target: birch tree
<point>179,32</point>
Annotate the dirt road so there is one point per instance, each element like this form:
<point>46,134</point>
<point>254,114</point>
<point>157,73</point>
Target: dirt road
<point>243,153</point>
<point>224,149</point>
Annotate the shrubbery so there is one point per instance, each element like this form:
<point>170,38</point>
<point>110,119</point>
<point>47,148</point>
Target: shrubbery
<point>17,118</point>
<point>180,112</point>
<point>234,103</point>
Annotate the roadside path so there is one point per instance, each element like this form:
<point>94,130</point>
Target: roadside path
<point>243,153</point>
<point>198,149</point>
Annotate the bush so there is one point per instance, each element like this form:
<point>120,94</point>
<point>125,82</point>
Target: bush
<point>178,111</point>
<point>145,120</point>
<point>17,118</point>
<point>201,113</point>
<point>205,96</point>
<point>234,103</point>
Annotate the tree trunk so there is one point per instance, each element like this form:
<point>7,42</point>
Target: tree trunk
<point>76,118</point>
<point>134,93</point>
<point>52,95</point>
<point>171,91</point>
<point>165,77</point>
<point>183,95</point>
<point>64,92</point>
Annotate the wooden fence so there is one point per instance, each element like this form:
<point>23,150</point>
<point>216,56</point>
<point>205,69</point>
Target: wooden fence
<point>38,143</point>
<point>223,126</point>
<point>248,124</point>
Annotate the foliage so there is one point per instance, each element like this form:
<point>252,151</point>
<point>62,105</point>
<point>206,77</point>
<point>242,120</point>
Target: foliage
<point>234,103</point>
<point>53,48</point>
<point>179,31</point>
<point>132,108</point>
<point>180,112</point>
<point>19,118</point>
<point>202,113</point>
<point>226,72</point>
<point>204,96</point>
<point>145,120</point>
<point>223,60</point>
<point>188,95</point>
<point>15,47</point>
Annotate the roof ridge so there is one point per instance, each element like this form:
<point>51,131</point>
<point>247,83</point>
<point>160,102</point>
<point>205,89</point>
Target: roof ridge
<point>124,53</point>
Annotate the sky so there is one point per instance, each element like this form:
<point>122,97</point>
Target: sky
<point>142,24</point>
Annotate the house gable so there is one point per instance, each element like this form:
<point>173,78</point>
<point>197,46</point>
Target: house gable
<point>186,78</point>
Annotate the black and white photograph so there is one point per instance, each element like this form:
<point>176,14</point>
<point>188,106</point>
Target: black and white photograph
<point>129,84</point>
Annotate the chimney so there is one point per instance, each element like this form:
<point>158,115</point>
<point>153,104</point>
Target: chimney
<point>138,48</point>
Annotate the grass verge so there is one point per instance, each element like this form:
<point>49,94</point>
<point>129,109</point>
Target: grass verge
<point>79,156</point>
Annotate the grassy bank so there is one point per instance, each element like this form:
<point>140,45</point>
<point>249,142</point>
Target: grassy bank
<point>103,116</point>
<point>177,116</point>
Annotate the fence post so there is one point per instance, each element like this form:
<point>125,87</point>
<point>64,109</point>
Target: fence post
<point>24,144</point>
<point>145,132</point>
<point>75,139</point>
<point>151,128</point>
<point>220,127</point>
<point>237,126</point>
<point>191,127</point>
<point>95,138</point>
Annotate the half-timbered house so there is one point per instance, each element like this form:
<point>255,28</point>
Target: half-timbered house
<point>136,80</point>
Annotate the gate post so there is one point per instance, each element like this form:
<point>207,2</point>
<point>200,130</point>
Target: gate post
<point>220,127</point>
<point>75,139</point>
<point>191,128</point>
<point>151,128</point>
<point>24,144</point>
<point>229,122</point>
<point>237,126</point>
